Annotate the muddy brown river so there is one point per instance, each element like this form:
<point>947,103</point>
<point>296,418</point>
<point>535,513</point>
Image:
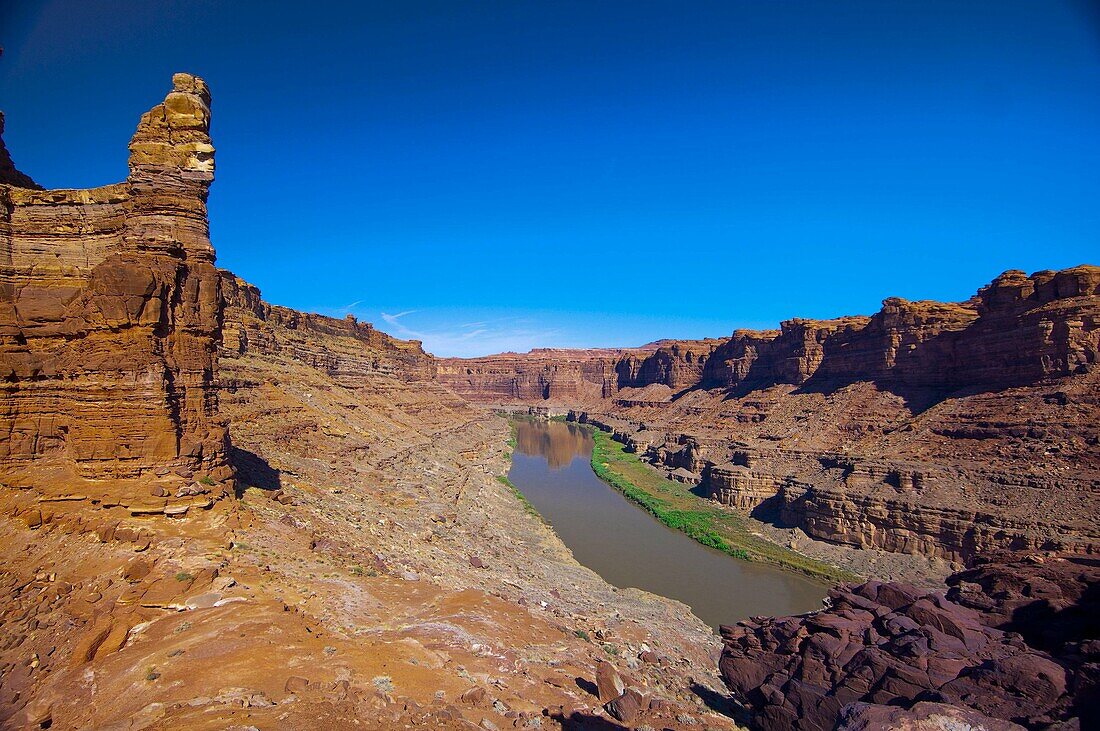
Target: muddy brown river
<point>630,548</point>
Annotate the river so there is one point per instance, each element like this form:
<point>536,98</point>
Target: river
<point>630,548</point>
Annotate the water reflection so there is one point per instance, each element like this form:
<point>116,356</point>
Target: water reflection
<point>559,445</point>
<point>628,547</point>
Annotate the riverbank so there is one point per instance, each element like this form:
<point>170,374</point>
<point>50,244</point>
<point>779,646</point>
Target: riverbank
<point>628,546</point>
<point>708,523</point>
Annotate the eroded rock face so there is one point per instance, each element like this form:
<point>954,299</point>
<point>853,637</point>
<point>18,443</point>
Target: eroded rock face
<point>938,429</point>
<point>344,348</point>
<point>407,584</point>
<point>650,374</point>
<point>110,312</point>
<point>1016,330</point>
<point>997,647</point>
<point>923,716</point>
<point>554,375</point>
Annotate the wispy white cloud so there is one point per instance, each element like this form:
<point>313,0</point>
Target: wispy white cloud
<point>400,330</point>
<point>470,338</point>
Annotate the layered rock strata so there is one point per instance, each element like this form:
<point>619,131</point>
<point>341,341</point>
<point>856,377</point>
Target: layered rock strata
<point>629,376</point>
<point>375,573</point>
<point>1013,641</point>
<point>254,326</point>
<point>942,429</point>
<point>110,313</point>
<point>1015,331</point>
<point>553,375</point>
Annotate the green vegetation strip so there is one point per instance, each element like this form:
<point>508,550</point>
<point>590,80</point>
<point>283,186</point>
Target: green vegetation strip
<point>704,520</point>
<point>527,506</point>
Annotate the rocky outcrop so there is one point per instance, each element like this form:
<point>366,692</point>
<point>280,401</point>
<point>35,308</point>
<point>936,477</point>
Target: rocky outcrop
<point>1017,330</point>
<point>959,533</point>
<point>923,716</point>
<point>110,312</point>
<point>890,504</point>
<point>676,364</point>
<point>1013,641</point>
<point>344,348</point>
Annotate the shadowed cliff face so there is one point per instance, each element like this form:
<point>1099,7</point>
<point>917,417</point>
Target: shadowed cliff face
<point>110,312</point>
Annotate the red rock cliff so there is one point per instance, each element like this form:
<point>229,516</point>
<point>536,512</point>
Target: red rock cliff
<point>567,376</point>
<point>346,349</point>
<point>110,310</point>
<point>944,429</point>
<point>1015,331</point>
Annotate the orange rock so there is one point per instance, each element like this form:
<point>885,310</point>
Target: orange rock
<point>475,696</point>
<point>86,648</point>
<point>609,684</point>
<point>136,570</point>
<point>115,639</point>
<point>295,684</point>
<point>95,377</point>
<point>628,706</point>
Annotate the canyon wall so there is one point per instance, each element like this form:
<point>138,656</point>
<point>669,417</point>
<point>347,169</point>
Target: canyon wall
<point>110,311</point>
<point>1015,331</point>
<point>254,326</point>
<point>943,429</point>
<point>555,375</point>
<point>391,375</point>
<point>564,376</point>
<point>408,585</point>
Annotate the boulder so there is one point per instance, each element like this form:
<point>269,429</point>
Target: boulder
<point>923,716</point>
<point>295,684</point>
<point>627,707</point>
<point>887,644</point>
<point>609,684</point>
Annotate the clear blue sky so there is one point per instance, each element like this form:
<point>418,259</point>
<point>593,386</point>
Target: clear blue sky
<point>503,175</point>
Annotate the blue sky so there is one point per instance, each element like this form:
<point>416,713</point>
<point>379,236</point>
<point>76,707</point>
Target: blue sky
<point>504,175</point>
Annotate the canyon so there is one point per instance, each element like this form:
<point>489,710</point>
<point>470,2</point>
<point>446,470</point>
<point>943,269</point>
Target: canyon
<point>224,513</point>
<point>221,513</point>
<point>935,429</point>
